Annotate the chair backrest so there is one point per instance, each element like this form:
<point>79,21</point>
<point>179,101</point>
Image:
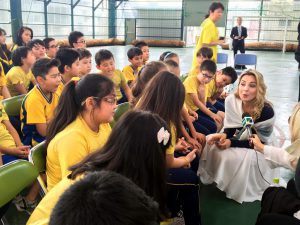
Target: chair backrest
<point>12,105</point>
<point>121,109</point>
<point>245,59</point>
<point>14,177</point>
<point>37,156</point>
<point>222,58</point>
<point>183,77</point>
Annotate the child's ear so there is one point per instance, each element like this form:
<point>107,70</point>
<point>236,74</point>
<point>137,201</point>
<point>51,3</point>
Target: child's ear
<point>98,67</point>
<point>67,68</point>
<point>39,79</point>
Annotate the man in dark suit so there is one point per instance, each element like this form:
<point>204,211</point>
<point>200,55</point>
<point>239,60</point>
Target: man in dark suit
<point>238,34</point>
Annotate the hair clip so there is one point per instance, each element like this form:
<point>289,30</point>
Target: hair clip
<point>167,55</point>
<point>163,136</point>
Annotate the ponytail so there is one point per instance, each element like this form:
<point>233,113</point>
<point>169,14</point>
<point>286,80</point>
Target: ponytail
<point>70,102</point>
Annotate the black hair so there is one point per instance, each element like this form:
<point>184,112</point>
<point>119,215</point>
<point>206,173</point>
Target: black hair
<point>19,40</point>
<point>230,72</point>
<point>205,52</point>
<point>164,95</point>
<point>5,54</point>
<point>135,153</point>
<point>42,66</point>
<point>47,41</point>
<point>19,54</point>
<point>102,55</point>
<point>70,101</point>
<point>83,53</point>
<point>134,51</point>
<point>74,36</point>
<point>171,63</point>
<point>208,65</point>
<point>66,56</point>
<point>146,73</point>
<point>167,55</point>
<point>34,42</point>
<point>104,197</point>
<point>214,6</point>
<point>140,44</point>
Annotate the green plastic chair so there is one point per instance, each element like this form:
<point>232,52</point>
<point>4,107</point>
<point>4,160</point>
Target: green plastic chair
<point>14,177</point>
<point>13,105</point>
<point>37,157</point>
<point>183,77</point>
<point>121,109</point>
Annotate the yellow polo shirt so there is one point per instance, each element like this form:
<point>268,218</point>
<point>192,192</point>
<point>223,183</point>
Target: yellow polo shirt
<point>17,75</point>
<point>209,33</point>
<point>36,108</point>
<point>70,146</point>
<point>6,140</point>
<point>129,73</point>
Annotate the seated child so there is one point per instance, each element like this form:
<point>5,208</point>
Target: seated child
<point>203,53</point>
<point>76,40</point>
<point>135,57</point>
<point>39,104</point>
<point>20,76</point>
<point>37,47</point>
<point>145,49</point>
<point>216,86</point>
<point>169,55</point>
<point>122,201</point>
<point>51,47</point>
<point>173,67</point>
<point>195,98</point>
<point>5,54</point>
<point>85,61</point>
<point>69,66</point>
<point>4,92</point>
<point>106,64</point>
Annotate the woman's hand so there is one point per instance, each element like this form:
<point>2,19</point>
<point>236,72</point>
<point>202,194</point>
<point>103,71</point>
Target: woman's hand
<point>223,144</point>
<point>258,146</point>
<point>214,138</point>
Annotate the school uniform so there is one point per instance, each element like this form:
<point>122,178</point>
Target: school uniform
<point>17,75</point>
<point>211,90</point>
<point>204,124</point>
<point>70,146</point>
<point>129,73</point>
<point>36,108</point>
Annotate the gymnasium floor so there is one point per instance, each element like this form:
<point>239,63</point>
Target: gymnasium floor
<point>281,76</point>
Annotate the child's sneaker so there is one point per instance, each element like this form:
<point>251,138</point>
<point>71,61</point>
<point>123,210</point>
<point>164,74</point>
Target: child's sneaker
<point>25,205</point>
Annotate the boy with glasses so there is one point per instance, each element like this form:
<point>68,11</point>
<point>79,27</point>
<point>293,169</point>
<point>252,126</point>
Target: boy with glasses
<point>196,96</point>
<point>76,40</point>
<point>51,47</point>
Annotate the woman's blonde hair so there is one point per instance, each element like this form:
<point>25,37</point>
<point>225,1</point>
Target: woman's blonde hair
<point>260,99</point>
<point>295,123</point>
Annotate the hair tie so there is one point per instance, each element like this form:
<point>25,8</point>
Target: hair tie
<point>167,55</point>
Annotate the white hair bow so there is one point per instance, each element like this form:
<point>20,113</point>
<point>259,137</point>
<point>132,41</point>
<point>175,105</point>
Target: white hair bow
<point>163,136</point>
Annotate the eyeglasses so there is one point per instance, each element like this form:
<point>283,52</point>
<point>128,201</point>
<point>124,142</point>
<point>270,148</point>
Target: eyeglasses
<point>207,76</point>
<point>54,46</point>
<point>111,101</point>
<point>82,42</point>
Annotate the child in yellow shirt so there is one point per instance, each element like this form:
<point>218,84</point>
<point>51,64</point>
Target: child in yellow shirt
<point>215,88</point>
<point>39,104</point>
<point>4,92</point>
<point>69,66</point>
<point>37,47</point>
<point>80,124</point>
<point>196,98</point>
<point>135,57</point>
<point>85,61</point>
<point>51,47</point>
<point>145,49</point>
<point>202,54</point>
<point>141,159</point>
<point>20,76</point>
<point>106,64</point>
<point>5,54</point>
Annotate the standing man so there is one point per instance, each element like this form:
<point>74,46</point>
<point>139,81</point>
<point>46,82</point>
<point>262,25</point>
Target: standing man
<point>238,34</point>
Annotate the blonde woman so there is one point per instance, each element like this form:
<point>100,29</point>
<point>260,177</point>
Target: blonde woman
<point>287,158</point>
<point>228,159</point>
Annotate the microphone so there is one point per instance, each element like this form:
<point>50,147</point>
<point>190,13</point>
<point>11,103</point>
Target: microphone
<point>247,123</point>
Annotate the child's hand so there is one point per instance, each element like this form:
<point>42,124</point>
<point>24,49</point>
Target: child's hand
<point>258,146</point>
<point>216,118</point>
<point>21,151</point>
<point>194,114</point>
<point>191,156</point>
<point>223,144</point>
<point>182,145</point>
<point>192,118</point>
<point>194,143</point>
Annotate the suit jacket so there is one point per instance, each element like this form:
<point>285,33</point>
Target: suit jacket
<point>235,32</point>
